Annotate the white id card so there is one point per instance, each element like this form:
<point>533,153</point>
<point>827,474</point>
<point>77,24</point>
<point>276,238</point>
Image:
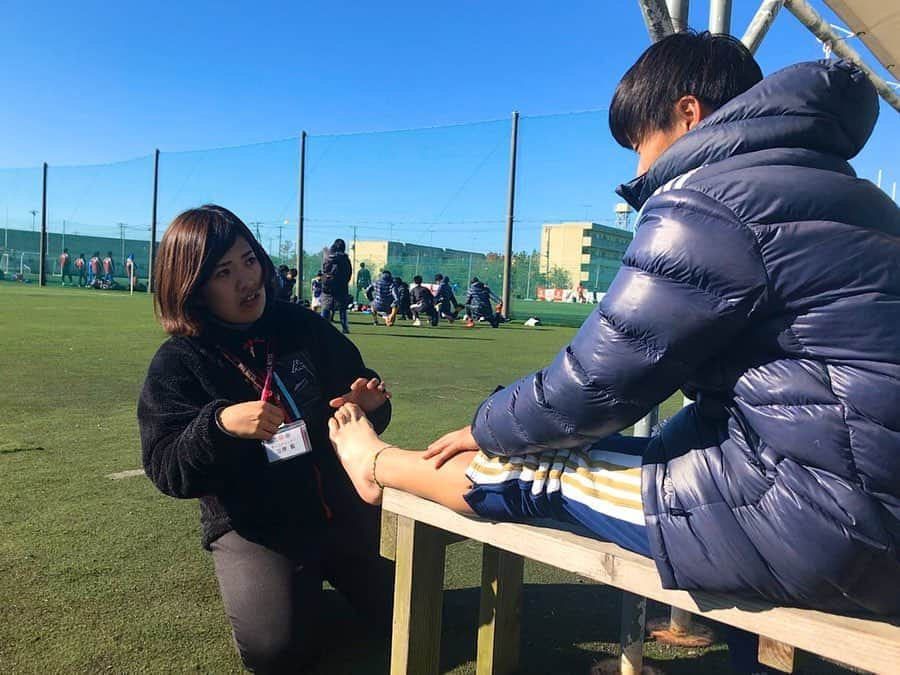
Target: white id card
<point>289,441</point>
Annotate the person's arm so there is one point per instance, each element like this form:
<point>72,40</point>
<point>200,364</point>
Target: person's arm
<point>690,281</point>
<point>184,450</point>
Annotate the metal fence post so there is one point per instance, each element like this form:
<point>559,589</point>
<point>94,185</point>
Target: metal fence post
<point>152,255</point>
<point>300,188</point>
<point>510,214</point>
<point>43,248</point>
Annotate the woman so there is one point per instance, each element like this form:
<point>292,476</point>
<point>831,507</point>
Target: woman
<point>233,412</point>
<point>336,272</point>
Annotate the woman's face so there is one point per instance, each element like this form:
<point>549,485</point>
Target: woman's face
<point>236,292</point>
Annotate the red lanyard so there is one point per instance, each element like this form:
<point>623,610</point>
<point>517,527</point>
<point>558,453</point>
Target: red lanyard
<point>263,386</point>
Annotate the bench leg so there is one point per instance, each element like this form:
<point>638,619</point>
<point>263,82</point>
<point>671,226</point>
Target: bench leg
<point>634,611</point>
<point>388,546</point>
<point>500,612</point>
<point>416,639</point>
<point>776,655</point>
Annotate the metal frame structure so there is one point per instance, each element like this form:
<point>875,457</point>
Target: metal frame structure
<point>665,18</point>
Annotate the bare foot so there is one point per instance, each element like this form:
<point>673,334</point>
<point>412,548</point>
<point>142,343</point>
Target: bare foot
<point>356,443</point>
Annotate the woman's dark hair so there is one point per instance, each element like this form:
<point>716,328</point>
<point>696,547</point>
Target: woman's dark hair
<point>339,246</point>
<point>712,68</point>
<point>188,252</point>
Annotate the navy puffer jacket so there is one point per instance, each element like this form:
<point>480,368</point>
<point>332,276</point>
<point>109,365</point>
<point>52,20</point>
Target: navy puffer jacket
<point>764,279</point>
<point>480,298</point>
<point>383,294</point>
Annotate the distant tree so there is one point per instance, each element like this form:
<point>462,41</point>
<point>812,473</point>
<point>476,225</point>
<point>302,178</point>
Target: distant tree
<point>559,278</point>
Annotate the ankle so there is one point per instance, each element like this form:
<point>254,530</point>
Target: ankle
<point>375,456</point>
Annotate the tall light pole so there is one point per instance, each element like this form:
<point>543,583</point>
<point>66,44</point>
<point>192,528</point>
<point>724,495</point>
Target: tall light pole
<point>122,240</point>
<point>33,213</point>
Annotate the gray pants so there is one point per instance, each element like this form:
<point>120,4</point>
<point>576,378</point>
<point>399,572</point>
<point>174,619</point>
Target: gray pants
<point>273,600</point>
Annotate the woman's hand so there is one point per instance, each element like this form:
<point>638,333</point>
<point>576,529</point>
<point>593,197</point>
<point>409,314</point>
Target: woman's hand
<point>253,419</point>
<point>451,444</point>
<point>367,394</point>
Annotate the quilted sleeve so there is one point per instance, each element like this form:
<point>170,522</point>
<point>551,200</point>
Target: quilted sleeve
<point>691,280</point>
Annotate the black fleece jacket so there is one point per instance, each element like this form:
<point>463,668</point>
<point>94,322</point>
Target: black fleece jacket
<point>187,455</point>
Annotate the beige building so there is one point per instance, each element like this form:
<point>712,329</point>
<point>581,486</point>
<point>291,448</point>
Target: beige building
<point>589,252</point>
<point>407,260</point>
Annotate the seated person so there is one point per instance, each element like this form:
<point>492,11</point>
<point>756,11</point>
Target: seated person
<point>763,280</point>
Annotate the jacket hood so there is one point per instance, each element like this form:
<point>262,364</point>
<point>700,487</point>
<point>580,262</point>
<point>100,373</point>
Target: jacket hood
<point>825,106</point>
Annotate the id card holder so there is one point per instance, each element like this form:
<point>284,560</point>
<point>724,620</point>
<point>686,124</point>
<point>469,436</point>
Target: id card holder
<point>291,440</point>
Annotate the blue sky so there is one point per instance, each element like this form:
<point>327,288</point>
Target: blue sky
<point>93,84</point>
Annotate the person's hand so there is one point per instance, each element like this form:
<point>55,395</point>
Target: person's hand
<point>253,419</point>
<point>451,444</point>
<point>367,394</point>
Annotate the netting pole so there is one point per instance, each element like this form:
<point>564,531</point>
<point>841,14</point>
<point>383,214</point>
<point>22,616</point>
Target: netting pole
<point>152,255</point>
<point>510,214</point>
<point>299,285</point>
<point>42,263</point>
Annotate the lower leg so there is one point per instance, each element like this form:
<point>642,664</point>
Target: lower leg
<point>357,444</point>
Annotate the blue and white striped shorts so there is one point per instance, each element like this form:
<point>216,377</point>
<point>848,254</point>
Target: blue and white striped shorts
<point>598,487</point>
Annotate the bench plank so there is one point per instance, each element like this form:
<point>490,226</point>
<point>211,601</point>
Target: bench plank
<point>500,612</point>
<point>864,643</point>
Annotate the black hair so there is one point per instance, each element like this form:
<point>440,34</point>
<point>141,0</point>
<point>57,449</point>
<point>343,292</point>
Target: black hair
<point>362,264</point>
<point>282,268</point>
<point>339,246</point>
<point>386,273</point>
<point>438,277</point>
<point>398,280</point>
<point>712,68</point>
<point>417,279</point>
<point>474,280</point>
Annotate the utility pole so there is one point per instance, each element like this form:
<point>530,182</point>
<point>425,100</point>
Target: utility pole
<point>122,240</point>
<point>548,254</point>
<point>152,250</point>
<point>33,213</point>
<point>280,228</point>
<point>528,282</point>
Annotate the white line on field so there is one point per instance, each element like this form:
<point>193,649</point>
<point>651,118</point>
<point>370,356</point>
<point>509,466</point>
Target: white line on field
<point>126,474</point>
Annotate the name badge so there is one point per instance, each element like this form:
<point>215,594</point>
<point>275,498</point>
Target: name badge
<point>291,440</point>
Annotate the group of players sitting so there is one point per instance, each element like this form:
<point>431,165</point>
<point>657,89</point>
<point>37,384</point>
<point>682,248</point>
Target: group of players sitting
<point>391,298</point>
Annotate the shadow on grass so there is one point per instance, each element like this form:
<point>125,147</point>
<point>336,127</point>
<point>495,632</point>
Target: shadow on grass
<point>9,451</point>
<point>566,628</point>
<point>434,337</point>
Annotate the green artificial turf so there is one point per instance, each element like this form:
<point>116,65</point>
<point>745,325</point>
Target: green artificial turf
<point>100,575</point>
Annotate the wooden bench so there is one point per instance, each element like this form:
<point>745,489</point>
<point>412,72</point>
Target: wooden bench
<point>415,533</point>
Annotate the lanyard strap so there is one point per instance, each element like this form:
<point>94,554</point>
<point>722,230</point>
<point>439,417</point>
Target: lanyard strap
<point>263,386</point>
